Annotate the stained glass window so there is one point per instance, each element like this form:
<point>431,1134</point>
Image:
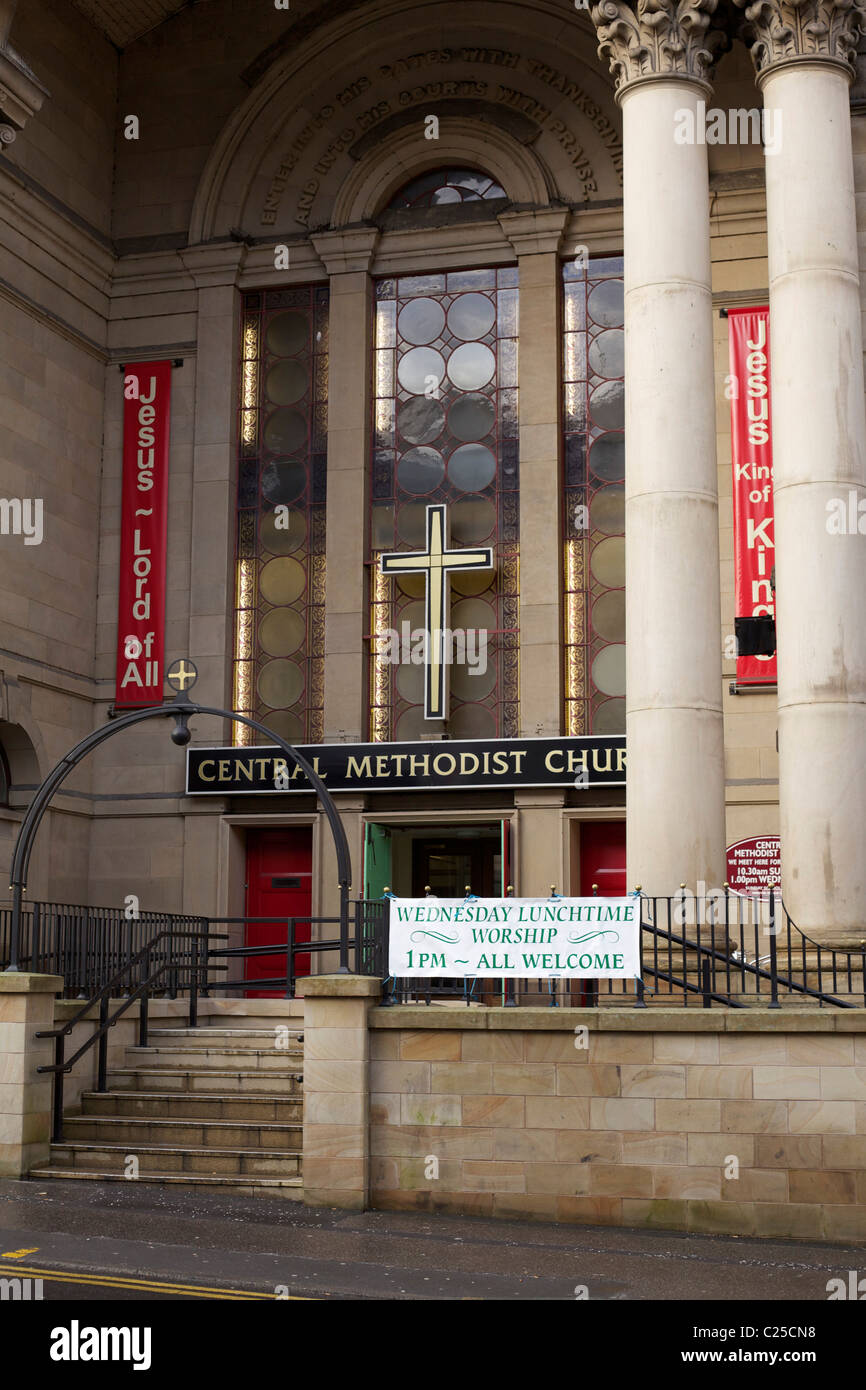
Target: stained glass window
<point>445,430</point>
<point>446,186</point>
<point>280,583</point>
<point>594,522</point>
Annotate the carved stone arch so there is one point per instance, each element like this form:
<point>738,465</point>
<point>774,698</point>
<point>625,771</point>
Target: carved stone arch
<point>462,143</point>
<point>247,163</point>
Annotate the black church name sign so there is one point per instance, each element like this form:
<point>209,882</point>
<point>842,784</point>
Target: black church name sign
<point>438,766</point>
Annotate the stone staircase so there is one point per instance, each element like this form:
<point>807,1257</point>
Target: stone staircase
<point>207,1107</point>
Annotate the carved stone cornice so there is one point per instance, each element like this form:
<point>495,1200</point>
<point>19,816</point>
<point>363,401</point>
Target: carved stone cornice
<point>654,39</point>
<point>790,31</point>
<point>21,93</point>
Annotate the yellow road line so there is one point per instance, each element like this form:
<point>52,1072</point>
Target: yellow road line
<point>149,1285</point>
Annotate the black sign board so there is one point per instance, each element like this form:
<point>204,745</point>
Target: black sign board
<point>592,761</point>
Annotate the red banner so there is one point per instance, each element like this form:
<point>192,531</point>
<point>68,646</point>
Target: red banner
<point>143,521</point>
<point>752,458</point>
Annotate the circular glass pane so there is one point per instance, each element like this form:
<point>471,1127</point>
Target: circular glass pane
<point>420,420</point>
<point>280,683</point>
<point>411,725</point>
<point>472,467</point>
<point>607,510</point>
<point>289,726</point>
<point>606,304</point>
<point>472,721</point>
<point>607,405</point>
<point>281,631</point>
<point>475,677</point>
<point>471,366</point>
<point>286,382</point>
<point>382,526</point>
<point>608,670</point>
<point>283,480</point>
<point>607,457</point>
<point>282,580</point>
<point>421,470</point>
<point>471,582</point>
<point>472,520</point>
<point>607,353</point>
<point>412,524</point>
<point>421,321</point>
<point>471,417</point>
<point>287,333</point>
<point>285,432</point>
<point>473,612</point>
<point>412,585</point>
<point>414,615</point>
<point>607,562</point>
<point>419,368</point>
<point>471,316</point>
<point>410,682</point>
<point>608,616</point>
<point>609,718</point>
<point>282,532</point>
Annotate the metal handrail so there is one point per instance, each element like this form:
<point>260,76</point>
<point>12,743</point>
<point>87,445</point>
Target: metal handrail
<point>63,1064</point>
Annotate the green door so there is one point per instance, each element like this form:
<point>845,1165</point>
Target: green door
<point>377,859</point>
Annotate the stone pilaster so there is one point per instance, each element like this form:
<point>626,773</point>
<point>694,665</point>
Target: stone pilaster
<point>347,256</point>
<point>804,55</point>
<point>661,55</point>
<point>536,238</point>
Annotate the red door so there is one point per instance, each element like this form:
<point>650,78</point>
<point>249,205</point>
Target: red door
<point>279,886</point>
<point>602,862</point>
<point>602,858</point>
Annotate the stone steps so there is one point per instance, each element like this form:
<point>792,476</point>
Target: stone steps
<point>209,1107</point>
<point>286,1109</point>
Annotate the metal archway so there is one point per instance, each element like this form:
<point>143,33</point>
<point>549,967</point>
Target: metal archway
<point>181,711</point>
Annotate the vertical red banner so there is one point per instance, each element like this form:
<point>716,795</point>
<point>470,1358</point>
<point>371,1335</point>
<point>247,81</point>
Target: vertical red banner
<point>143,527</point>
<point>752,459</point>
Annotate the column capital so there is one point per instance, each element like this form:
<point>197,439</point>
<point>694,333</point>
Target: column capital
<point>779,32</point>
<point>654,40</point>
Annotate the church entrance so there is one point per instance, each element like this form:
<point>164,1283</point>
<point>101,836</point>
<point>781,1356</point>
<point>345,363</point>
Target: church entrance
<point>446,864</point>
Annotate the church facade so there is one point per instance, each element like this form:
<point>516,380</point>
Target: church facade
<point>416,322</point>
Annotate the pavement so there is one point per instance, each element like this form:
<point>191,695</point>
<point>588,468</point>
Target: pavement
<point>119,1241</point>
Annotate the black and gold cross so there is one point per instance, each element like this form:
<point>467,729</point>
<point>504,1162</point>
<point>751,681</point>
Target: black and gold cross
<point>436,564</point>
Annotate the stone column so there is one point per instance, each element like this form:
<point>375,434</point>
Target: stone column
<point>661,55</point>
<point>805,55</point>
<point>337,1089</point>
<point>536,238</point>
<point>347,256</point>
<point>26,1008</point>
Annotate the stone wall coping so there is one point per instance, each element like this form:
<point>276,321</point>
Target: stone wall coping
<point>339,987</point>
<point>21,982</point>
<point>651,1020</point>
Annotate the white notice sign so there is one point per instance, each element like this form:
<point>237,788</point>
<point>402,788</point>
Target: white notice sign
<point>527,938</point>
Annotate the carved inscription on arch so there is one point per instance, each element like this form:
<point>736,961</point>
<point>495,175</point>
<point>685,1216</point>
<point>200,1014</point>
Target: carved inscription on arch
<point>412,94</point>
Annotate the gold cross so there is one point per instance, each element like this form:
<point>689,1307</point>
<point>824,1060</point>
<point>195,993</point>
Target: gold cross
<point>179,676</point>
<point>436,564</point>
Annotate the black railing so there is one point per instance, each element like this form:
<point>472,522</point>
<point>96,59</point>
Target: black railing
<point>175,955</point>
<point>722,948</point>
<point>88,945</point>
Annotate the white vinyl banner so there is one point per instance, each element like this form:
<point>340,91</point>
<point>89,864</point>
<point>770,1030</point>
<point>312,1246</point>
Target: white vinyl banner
<point>527,938</point>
